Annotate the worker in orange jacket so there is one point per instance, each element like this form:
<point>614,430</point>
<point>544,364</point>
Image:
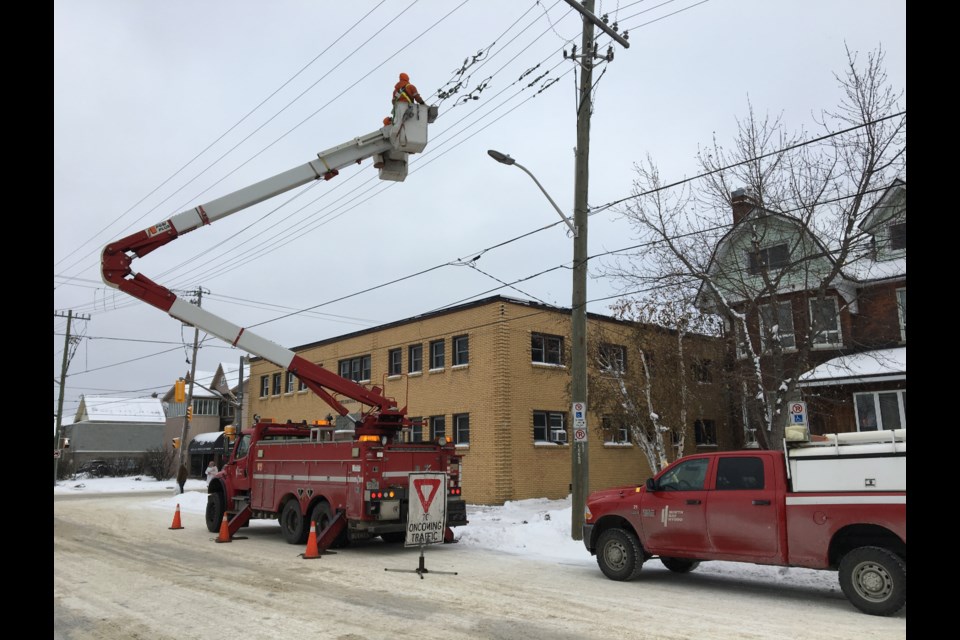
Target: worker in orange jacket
<point>403,91</point>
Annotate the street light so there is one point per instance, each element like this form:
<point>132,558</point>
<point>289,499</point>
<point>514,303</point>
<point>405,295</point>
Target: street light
<point>579,465</point>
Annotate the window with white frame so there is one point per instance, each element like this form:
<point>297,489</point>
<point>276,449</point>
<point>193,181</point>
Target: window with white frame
<point>264,386</point>
<point>461,428</point>
<point>881,410</point>
<point>356,369</point>
<point>291,382</point>
<point>741,338</point>
<point>775,257</point>
<point>301,385</point>
<point>395,358</point>
<point>416,430</point>
<point>437,354</point>
<point>613,358</point>
<point>825,322</point>
<point>415,358</point>
<point>546,349</point>
<point>614,432</point>
<point>902,312</point>
<point>776,323</point>
<point>438,427</point>
<point>461,350</point>
<point>206,407</point>
<point>277,380</point>
<point>898,236</point>
<point>549,426</point>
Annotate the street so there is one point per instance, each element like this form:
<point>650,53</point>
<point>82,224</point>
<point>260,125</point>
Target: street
<point>121,572</point>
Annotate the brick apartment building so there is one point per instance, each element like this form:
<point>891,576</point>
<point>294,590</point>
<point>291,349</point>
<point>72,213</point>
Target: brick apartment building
<point>492,375</point>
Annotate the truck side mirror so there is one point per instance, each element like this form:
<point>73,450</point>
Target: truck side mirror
<point>651,484</point>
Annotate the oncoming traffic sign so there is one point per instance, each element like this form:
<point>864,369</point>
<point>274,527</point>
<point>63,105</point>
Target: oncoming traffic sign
<point>427,514</point>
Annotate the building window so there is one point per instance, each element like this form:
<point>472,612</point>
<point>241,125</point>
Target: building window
<point>549,426</point>
<point>651,363</point>
<point>264,386</point>
<point>776,323</point>
<point>775,257</point>
<point>461,428</point>
<point>396,362</point>
<point>291,382</point>
<point>438,427</point>
<point>301,385</point>
<point>356,369</point>
<point>742,341</point>
<point>277,378</point>
<point>613,358</point>
<point>898,236</point>
<point>461,350</point>
<point>415,358</point>
<point>825,322</point>
<point>416,429</point>
<point>881,410</point>
<point>902,312</point>
<point>546,349</point>
<point>206,407</point>
<point>705,432</point>
<point>436,354</point>
<point>703,371</point>
<point>613,432</point>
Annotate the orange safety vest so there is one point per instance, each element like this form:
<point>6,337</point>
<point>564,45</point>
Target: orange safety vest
<point>404,92</point>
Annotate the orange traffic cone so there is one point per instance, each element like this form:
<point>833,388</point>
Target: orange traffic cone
<point>224,531</point>
<point>312,551</point>
<point>176,519</point>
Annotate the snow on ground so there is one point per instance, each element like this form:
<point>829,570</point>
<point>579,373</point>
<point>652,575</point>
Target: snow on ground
<point>538,528</point>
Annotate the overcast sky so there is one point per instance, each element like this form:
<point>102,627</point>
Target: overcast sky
<point>160,107</point>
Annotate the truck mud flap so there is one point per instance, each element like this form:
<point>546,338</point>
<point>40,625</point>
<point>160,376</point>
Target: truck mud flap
<point>448,536</point>
<point>326,537</point>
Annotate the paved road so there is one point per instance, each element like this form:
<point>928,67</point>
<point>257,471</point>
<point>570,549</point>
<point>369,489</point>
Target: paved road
<point>120,572</point>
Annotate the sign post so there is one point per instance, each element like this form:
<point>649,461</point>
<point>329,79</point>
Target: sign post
<point>426,514</point>
<point>798,430</point>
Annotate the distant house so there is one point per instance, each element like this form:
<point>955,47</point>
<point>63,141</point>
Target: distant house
<point>114,429</point>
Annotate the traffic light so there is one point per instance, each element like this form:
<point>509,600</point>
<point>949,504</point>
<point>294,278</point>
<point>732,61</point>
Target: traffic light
<point>189,414</point>
<point>180,391</point>
<point>176,443</point>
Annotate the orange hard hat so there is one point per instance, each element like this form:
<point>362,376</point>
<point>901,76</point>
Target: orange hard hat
<point>404,77</point>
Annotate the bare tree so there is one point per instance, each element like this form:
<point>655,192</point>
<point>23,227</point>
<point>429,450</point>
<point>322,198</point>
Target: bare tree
<point>807,197</point>
<point>158,462</point>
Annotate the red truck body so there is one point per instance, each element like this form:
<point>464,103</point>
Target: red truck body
<point>837,505</point>
<point>353,487</point>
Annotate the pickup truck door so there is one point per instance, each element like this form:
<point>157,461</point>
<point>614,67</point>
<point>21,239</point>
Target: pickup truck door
<point>742,517</point>
<point>673,517</point>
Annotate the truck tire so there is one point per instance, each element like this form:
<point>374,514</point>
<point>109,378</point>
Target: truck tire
<point>680,565</point>
<point>214,515</point>
<point>293,525</point>
<point>874,580</point>
<point>394,536</point>
<point>619,554</point>
<point>322,514</point>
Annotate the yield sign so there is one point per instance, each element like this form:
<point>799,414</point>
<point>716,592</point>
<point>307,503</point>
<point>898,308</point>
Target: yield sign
<point>426,489</point>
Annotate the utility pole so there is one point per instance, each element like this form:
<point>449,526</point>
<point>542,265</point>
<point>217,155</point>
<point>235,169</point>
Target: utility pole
<point>193,375</point>
<point>580,467</point>
<point>57,451</point>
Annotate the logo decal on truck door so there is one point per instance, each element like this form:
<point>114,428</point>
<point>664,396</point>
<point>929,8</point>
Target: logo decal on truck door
<point>670,516</point>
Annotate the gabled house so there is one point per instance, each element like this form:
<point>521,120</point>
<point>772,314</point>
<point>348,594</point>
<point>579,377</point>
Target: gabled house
<point>800,308</point>
<point>116,430</point>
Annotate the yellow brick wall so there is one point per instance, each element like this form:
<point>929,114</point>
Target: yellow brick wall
<point>500,389</point>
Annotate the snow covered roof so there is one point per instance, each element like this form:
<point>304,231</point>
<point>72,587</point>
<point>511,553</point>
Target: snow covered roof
<point>211,436</point>
<point>108,409</point>
<point>866,269</point>
<point>868,366</point>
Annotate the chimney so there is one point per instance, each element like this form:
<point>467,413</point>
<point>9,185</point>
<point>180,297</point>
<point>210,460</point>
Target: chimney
<point>743,201</point>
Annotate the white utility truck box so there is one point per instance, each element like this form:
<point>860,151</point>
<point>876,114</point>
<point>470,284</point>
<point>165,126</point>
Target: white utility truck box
<point>861,461</point>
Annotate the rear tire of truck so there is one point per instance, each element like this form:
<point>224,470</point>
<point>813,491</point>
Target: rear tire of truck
<point>394,537</point>
<point>680,565</point>
<point>619,554</point>
<point>214,515</point>
<point>322,514</point>
<point>874,580</point>
<point>292,523</point>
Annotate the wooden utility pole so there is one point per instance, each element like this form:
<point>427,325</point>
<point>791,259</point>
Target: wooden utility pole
<point>193,375</point>
<point>57,450</point>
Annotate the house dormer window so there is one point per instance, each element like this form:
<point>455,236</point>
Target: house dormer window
<point>898,236</point>
<point>825,322</point>
<point>775,257</point>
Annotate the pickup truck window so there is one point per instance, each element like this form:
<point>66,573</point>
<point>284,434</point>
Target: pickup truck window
<point>739,473</point>
<point>686,476</point>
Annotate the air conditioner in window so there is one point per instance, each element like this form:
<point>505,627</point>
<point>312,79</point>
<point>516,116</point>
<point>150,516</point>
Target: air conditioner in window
<point>558,436</point>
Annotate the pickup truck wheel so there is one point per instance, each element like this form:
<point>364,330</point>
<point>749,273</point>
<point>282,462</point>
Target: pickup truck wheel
<point>619,554</point>
<point>874,580</point>
<point>292,523</point>
<point>680,565</point>
<point>214,515</point>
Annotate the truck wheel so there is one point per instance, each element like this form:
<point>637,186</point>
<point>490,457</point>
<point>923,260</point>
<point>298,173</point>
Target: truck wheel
<point>394,536</point>
<point>323,516</point>
<point>680,565</point>
<point>619,554</point>
<point>292,523</point>
<point>214,514</point>
<point>874,580</point>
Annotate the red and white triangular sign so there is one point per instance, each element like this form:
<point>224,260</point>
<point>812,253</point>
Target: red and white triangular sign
<point>426,490</point>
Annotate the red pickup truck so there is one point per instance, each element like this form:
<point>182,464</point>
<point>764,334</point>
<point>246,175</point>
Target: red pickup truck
<point>837,504</point>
